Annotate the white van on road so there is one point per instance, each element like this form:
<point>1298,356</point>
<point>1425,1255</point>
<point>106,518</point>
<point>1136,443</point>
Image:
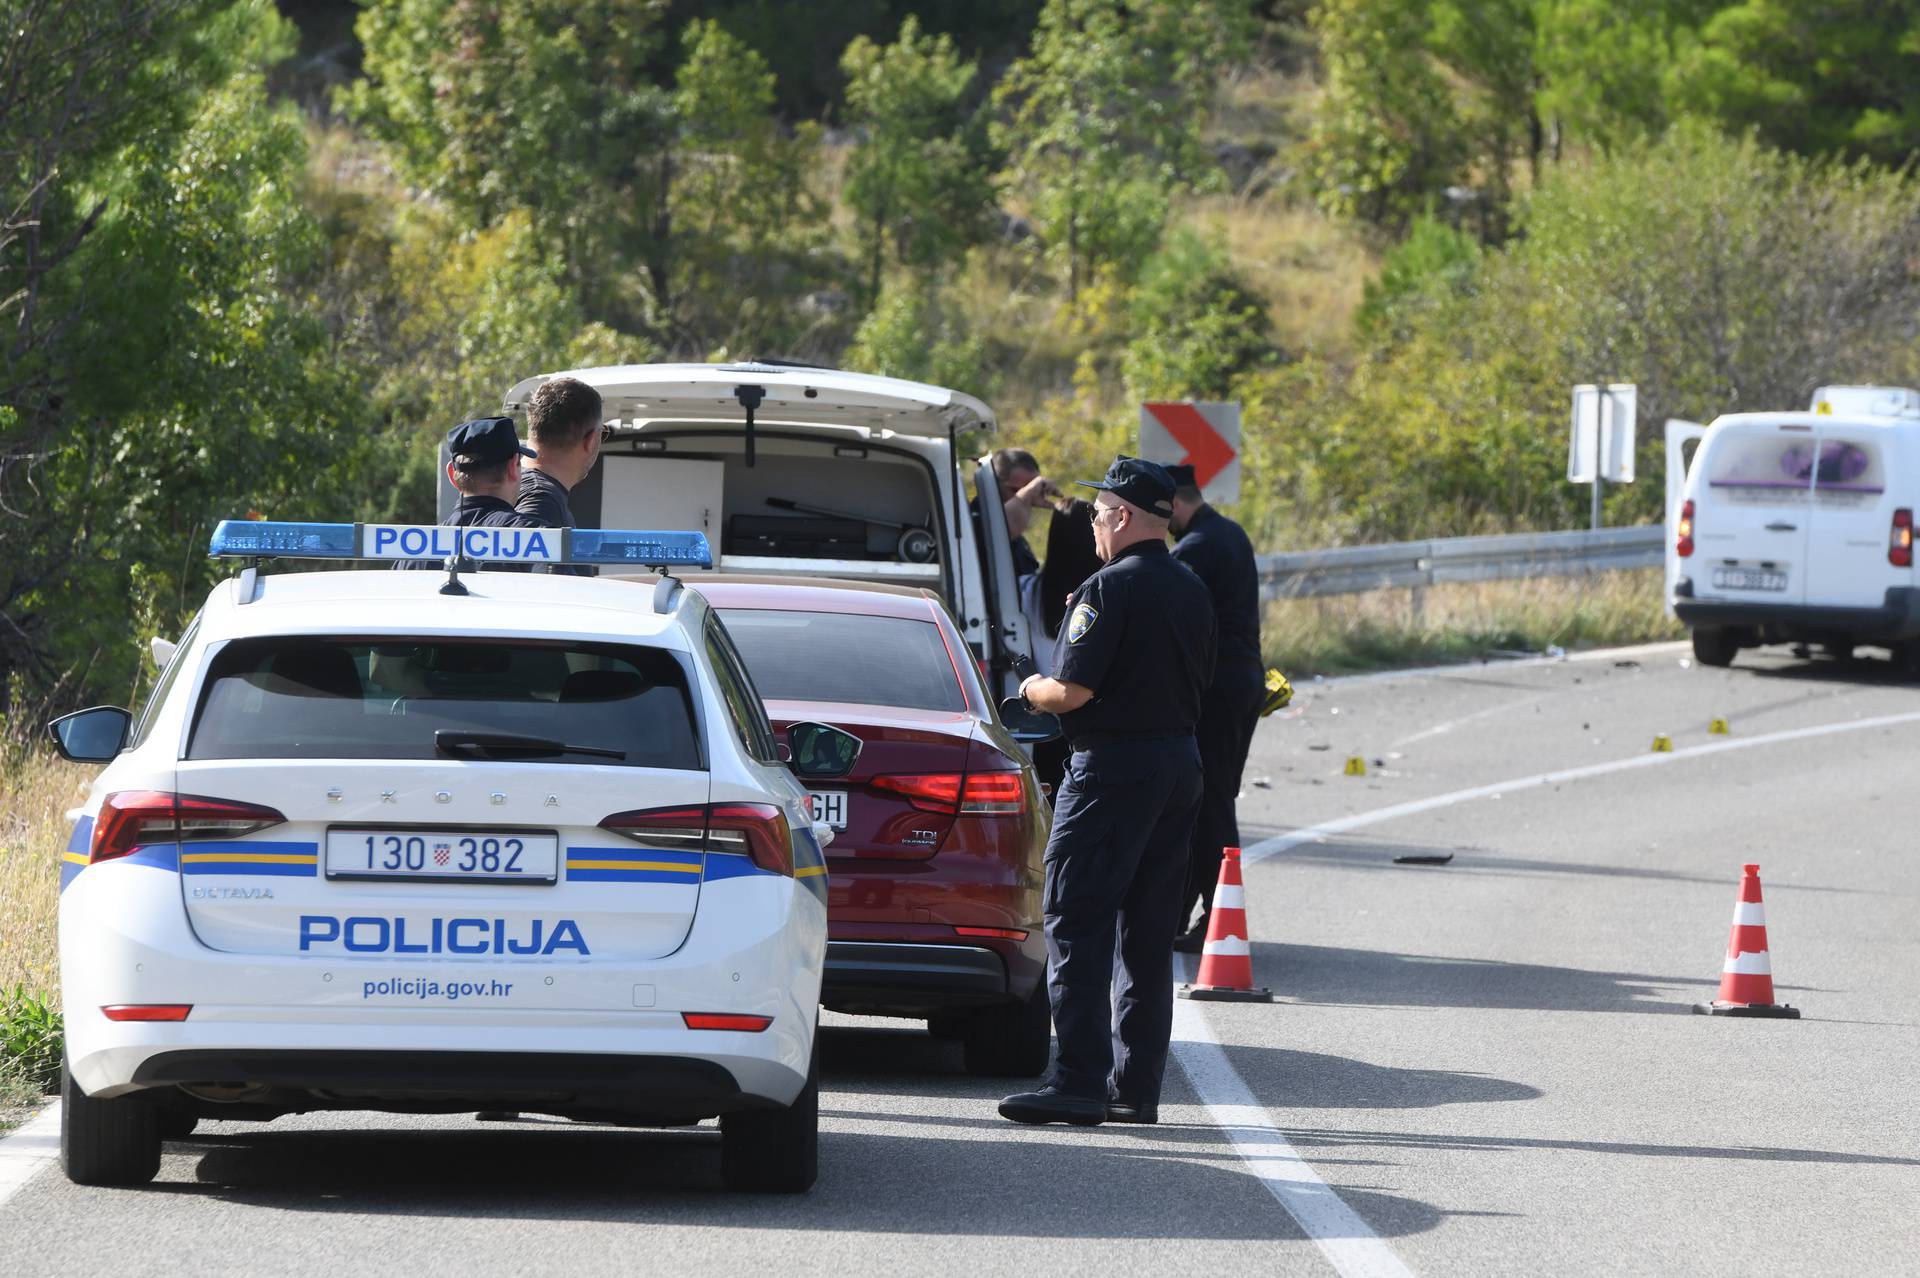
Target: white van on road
<point>1798,527</point>
<point>793,470</point>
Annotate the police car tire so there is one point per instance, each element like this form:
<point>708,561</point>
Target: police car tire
<point>1714,645</point>
<point>107,1142</point>
<point>176,1125</point>
<point>1013,1040</point>
<point>774,1151</point>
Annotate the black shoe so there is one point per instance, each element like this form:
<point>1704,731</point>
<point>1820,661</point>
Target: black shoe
<point>1193,940</point>
<point>1050,1105</point>
<point>1124,1111</point>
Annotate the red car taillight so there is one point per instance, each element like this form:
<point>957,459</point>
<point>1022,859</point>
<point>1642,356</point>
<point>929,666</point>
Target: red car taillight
<point>1900,539</point>
<point>726,1021</point>
<point>133,818</point>
<point>1683,541</point>
<point>976,794</point>
<point>146,1011</point>
<point>757,830</point>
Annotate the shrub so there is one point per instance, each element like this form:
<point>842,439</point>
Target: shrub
<point>32,1037</point>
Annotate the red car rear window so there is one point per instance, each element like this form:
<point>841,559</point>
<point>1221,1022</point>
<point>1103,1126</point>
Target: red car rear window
<point>829,656</point>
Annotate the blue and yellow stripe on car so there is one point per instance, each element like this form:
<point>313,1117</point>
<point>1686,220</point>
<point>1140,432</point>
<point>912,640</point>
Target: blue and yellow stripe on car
<point>251,857</point>
<point>79,845</point>
<point>809,864</point>
<point>632,865</point>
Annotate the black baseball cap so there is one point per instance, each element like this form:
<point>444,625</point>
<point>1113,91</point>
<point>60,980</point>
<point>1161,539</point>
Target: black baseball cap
<point>1182,476</point>
<point>484,442</point>
<point>1141,483</point>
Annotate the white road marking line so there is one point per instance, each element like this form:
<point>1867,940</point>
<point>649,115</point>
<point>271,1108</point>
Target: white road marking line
<point>29,1148</point>
<point>1340,825</point>
<point>1346,1240</point>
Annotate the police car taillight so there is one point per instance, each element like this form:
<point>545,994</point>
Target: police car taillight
<point>146,1011</point>
<point>1683,541</point>
<point>976,794</point>
<point>131,819</point>
<point>1900,539</point>
<point>755,830</point>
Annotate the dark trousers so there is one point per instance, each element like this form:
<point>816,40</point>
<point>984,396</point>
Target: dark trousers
<point>1228,717</point>
<point>1115,867</point>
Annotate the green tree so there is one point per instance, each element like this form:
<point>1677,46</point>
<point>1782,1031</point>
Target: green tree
<point>920,180</point>
<point>1196,327</point>
<point>1837,77</point>
<point>541,105</point>
<point>915,331</point>
<point>1101,121</point>
<point>744,209</point>
<point>1386,137</point>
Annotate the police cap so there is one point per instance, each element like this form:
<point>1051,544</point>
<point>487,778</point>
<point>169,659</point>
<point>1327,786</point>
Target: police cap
<point>484,442</point>
<point>1141,483</point>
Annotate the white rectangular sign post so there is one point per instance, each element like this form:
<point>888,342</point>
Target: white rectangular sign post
<point>1205,436</point>
<point>1600,446</point>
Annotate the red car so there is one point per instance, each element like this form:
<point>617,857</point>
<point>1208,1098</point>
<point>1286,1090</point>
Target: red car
<point>934,871</point>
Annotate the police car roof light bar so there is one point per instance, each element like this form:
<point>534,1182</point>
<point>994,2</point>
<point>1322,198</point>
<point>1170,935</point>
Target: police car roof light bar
<point>437,543</point>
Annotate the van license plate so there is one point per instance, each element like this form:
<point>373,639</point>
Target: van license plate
<point>829,808</point>
<point>1748,579</point>
<point>446,856</point>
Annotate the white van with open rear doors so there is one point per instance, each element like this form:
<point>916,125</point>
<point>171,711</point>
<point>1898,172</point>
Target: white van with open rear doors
<point>793,470</point>
<point>1798,528</point>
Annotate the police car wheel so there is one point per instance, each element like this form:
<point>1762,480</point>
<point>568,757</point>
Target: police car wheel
<point>1013,1040</point>
<point>107,1142</point>
<point>774,1151</point>
<point>175,1125</point>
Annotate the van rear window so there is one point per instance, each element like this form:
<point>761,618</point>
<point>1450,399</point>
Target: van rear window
<point>299,697</point>
<point>1797,462</point>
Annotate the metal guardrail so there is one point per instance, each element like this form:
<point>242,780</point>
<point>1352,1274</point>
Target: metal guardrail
<point>1350,570</point>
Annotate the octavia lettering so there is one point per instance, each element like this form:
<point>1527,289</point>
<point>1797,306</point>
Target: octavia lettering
<point>373,934</point>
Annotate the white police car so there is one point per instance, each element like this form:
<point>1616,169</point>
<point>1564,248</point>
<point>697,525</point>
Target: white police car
<point>411,842</point>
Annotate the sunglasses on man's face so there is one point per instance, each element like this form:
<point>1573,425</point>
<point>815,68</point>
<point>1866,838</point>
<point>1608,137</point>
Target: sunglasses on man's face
<point>606,431</point>
<point>1099,510</point>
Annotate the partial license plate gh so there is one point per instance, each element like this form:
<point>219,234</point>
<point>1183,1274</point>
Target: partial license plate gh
<point>444,856</point>
<point>829,807</point>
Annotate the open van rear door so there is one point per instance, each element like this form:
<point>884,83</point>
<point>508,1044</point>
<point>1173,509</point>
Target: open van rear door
<point>1006,625</point>
<point>1679,435</point>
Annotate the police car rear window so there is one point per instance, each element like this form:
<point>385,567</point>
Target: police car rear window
<point>827,656</point>
<point>314,698</point>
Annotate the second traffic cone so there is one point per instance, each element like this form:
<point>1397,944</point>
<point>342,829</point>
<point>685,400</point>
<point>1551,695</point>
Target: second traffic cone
<point>1746,978</point>
<point>1226,960</point>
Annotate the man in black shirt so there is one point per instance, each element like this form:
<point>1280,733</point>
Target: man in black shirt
<point>1219,553</point>
<point>1130,668</point>
<point>564,421</point>
<point>484,468</point>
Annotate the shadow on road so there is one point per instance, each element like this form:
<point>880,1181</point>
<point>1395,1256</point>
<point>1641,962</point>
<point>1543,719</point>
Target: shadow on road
<point>965,1174</point>
<point>1380,978</point>
<point>1325,1139</point>
<point>1479,861</point>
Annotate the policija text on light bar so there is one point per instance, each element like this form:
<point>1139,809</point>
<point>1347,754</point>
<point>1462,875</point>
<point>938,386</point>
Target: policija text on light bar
<point>435,543</point>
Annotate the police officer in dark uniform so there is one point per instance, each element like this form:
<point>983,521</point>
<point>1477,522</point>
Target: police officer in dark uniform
<point>484,468</point>
<point>1130,668</point>
<point>1219,553</point>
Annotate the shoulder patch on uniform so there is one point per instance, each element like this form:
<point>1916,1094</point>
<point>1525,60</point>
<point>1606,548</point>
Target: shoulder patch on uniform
<point>1084,615</point>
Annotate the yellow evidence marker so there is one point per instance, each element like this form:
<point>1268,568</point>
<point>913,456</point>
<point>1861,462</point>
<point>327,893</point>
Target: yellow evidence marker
<point>1663,744</point>
<point>1356,766</point>
<point>1717,728</point>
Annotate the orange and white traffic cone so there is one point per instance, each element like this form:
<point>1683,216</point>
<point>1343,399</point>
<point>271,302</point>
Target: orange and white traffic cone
<point>1226,960</point>
<point>1746,978</point>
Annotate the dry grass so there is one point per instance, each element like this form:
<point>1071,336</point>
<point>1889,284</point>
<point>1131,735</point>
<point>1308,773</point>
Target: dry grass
<point>36,789</point>
<point>1463,622</point>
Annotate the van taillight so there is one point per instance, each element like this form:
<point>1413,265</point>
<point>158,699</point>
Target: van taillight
<point>133,818</point>
<point>755,830</point>
<point>1900,539</point>
<point>1683,541</point>
<point>977,794</point>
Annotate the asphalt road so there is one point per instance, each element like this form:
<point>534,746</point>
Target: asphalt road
<point>1483,1068</point>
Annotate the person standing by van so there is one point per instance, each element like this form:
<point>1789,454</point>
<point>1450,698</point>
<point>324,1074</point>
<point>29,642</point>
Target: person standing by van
<point>1218,551</point>
<point>564,423</point>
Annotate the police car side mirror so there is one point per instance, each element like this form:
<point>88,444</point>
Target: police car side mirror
<point>91,736</point>
<point>821,751</point>
<point>1027,725</point>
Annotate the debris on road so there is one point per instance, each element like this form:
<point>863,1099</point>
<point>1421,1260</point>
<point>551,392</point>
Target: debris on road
<point>1424,858</point>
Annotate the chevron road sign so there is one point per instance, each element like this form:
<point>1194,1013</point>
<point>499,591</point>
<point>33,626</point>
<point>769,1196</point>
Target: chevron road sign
<point>1204,436</point>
